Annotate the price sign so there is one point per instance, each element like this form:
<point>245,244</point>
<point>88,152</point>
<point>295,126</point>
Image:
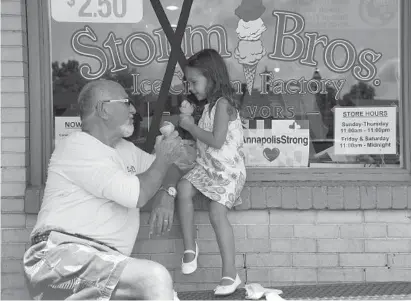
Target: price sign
<point>97,11</point>
<point>367,130</point>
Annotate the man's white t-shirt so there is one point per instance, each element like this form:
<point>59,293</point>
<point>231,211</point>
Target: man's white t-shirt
<point>92,189</point>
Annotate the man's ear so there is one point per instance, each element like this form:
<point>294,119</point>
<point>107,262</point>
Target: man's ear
<point>102,111</point>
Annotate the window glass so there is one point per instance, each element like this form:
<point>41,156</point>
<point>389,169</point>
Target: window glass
<point>106,40</point>
<point>319,80</point>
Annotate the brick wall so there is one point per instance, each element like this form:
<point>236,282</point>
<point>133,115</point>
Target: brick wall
<point>335,197</point>
<point>283,247</point>
<point>14,147</point>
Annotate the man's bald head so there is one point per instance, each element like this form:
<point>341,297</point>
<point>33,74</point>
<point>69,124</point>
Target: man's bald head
<point>98,90</point>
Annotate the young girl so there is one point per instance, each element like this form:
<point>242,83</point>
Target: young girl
<point>219,173</point>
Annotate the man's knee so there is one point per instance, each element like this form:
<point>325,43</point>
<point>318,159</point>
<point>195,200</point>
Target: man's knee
<point>158,282</point>
<point>161,275</point>
<point>144,279</point>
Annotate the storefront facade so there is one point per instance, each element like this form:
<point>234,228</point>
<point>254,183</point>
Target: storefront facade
<point>328,192</point>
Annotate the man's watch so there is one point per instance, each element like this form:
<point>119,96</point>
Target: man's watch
<point>170,190</point>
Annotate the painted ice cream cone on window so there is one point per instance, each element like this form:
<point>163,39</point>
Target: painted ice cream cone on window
<point>250,49</point>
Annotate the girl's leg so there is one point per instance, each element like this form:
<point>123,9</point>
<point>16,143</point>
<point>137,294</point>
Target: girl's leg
<point>225,239</point>
<point>185,208</point>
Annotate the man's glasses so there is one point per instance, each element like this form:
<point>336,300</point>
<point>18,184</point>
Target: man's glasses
<point>124,100</point>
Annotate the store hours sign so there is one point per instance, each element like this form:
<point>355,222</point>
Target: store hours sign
<point>365,130</point>
<point>97,11</point>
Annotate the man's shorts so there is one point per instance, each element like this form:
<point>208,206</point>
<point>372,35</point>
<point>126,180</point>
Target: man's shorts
<point>65,266</point>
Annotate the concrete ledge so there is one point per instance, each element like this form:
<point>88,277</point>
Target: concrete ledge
<point>283,195</point>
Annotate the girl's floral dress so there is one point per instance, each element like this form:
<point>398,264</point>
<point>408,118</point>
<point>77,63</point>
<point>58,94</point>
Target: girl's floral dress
<point>220,174</point>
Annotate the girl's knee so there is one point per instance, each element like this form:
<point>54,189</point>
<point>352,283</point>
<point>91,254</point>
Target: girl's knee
<point>217,212</point>
<point>185,189</point>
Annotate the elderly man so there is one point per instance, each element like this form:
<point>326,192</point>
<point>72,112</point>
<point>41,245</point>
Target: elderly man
<point>89,218</point>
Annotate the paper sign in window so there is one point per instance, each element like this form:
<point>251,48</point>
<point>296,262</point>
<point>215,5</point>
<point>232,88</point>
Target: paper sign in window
<point>279,143</point>
<point>97,11</point>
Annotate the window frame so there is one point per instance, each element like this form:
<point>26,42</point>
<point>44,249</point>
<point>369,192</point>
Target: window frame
<point>40,102</point>
<point>41,119</point>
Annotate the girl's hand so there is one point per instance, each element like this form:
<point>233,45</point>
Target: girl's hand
<point>186,121</point>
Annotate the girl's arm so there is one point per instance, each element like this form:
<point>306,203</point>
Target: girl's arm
<point>217,137</point>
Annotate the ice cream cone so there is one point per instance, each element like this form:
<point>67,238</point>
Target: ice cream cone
<point>249,73</point>
<point>167,128</point>
<point>186,108</point>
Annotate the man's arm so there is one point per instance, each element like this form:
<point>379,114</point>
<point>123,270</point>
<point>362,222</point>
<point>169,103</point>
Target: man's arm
<point>145,164</point>
<point>109,181</point>
<point>104,178</point>
<point>151,180</point>
<point>150,185</point>
<point>120,187</point>
<point>162,214</point>
<point>172,177</point>
<point>162,204</point>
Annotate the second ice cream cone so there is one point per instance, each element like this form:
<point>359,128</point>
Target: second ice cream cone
<point>249,73</point>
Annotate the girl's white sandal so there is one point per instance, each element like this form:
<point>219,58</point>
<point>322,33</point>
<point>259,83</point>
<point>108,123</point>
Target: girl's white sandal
<point>190,267</point>
<point>225,290</point>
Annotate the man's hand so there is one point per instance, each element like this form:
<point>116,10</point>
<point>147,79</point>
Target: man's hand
<point>162,215</point>
<point>170,148</point>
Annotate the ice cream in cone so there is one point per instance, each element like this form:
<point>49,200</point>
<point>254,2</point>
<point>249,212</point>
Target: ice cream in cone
<point>167,128</point>
<point>250,49</point>
<point>186,107</point>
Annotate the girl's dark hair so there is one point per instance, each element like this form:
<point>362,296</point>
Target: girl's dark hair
<point>210,63</point>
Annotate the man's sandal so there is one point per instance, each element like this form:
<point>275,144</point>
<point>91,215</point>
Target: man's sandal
<point>190,267</point>
<point>225,290</point>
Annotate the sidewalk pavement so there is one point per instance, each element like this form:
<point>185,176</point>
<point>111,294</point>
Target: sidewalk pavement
<point>340,291</point>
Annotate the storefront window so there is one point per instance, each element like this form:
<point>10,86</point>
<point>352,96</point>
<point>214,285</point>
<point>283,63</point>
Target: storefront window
<point>319,79</point>
<point>116,40</point>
